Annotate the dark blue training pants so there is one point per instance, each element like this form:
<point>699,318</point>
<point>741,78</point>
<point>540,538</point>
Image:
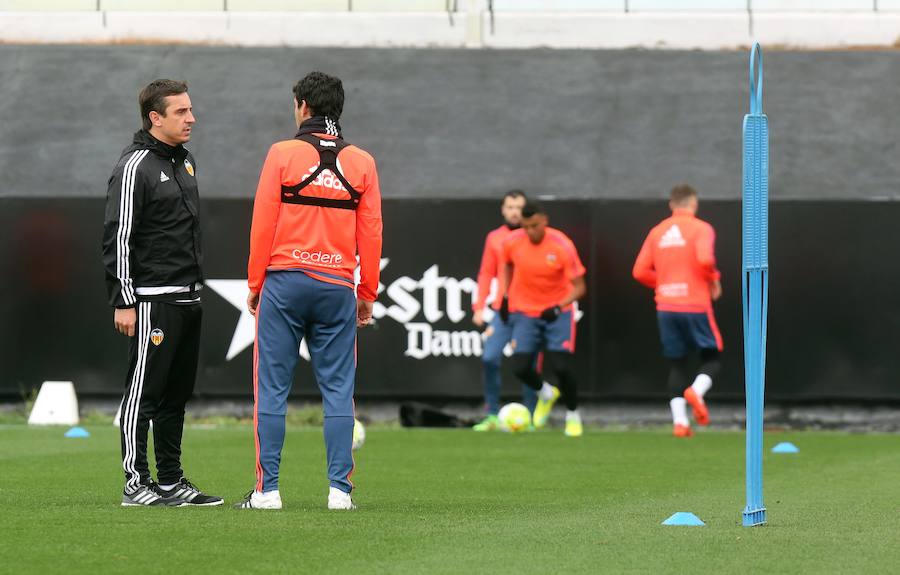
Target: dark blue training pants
<point>294,306</point>
<point>501,333</point>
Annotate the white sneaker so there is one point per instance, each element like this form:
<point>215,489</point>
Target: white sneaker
<point>257,500</point>
<point>337,499</point>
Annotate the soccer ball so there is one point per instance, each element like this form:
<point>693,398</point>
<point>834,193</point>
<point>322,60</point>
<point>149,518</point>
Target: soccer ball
<point>359,434</point>
<point>514,417</point>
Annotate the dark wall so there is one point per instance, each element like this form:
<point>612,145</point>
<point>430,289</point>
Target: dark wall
<point>834,312</point>
<point>606,130</point>
<point>468,123</point>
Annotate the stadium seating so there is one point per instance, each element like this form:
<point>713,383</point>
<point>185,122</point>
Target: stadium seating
<point>576,24</point>
<point>160,5</point>
<point>288,5</point>
<point>400,5</point>
<point>48,5</point>
<point>233,5</point>
<point>498,6</point>
<point>559,5</point>
<point>814,5</point>
<point>687,6</point>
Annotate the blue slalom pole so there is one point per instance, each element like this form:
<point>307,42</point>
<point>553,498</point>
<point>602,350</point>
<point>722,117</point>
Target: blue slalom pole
<point>755,282</point>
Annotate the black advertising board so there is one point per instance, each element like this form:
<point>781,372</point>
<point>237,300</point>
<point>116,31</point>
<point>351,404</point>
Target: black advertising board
<point>834,307</point>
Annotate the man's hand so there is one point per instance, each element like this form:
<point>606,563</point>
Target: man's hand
<point>124,319</point>
<point>551,313</point>
<point>478,318</point>
<point>504,310</point>
<point>253,302</point>
<point>363,312</point>
<point>715,290</point>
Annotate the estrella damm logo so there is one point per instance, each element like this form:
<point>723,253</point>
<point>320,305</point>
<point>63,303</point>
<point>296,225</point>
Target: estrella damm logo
<point>157,336</point>
<point>189,167</point>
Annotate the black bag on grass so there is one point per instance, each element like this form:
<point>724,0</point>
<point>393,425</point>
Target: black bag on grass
<point>414,414</point>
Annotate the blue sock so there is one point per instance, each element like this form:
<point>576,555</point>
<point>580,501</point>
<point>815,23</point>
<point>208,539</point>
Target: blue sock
<point>271,440</point>
<point>492,387</point>
<point>339,450</point>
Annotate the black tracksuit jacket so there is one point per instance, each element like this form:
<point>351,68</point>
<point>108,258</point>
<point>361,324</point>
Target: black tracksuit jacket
<point>151,232</point>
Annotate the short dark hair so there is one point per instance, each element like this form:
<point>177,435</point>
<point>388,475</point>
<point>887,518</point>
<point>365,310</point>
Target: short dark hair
<point>513,194</point>
<point>323,94</point>
<point>153,98</point>
<point>532,208</point>
<point>681,193</point>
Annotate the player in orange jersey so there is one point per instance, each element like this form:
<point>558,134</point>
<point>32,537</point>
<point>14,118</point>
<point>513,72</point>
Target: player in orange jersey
<point>317,208</point>
<point>543,278</point>
<point>498,333</point>
<point>678,261</point>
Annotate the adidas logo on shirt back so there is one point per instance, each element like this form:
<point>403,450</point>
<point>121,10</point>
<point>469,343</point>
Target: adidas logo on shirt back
<point>672,238</point>
<point>163,177</point>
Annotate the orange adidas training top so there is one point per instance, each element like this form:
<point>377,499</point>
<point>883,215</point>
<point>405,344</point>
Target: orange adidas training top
<point>316,238</point>
<point>491,266</point>
<point>542,273</point>
<point>678,260</point>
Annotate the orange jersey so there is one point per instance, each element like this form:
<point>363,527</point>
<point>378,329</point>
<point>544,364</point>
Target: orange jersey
<point>317,238</point>
<point>542,273</point>
<point>491,265</point>
<point>678,260</point>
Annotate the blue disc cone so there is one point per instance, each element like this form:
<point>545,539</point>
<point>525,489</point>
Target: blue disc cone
<point>684,518</point>
<point>78,432</point>
<point>785,447</point>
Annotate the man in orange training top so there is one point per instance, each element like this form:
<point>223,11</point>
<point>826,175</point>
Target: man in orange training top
<point>498,333</point>
<point>678,260</point>
<point>543,278</point>
<point>317,207</point>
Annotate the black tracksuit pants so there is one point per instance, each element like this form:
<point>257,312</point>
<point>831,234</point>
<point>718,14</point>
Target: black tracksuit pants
<point>161,374</point>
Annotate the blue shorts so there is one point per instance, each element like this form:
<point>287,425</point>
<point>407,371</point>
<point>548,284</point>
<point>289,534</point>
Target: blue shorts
<point>532,334</point>
<point>681,333</point>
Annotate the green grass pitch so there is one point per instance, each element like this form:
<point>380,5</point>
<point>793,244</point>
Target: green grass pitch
<point>459,502</point>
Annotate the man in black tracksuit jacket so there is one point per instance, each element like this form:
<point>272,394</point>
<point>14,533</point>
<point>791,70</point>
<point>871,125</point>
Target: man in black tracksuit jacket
<point>153,258</point>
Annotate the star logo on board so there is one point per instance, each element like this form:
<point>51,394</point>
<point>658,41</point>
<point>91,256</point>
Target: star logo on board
<point>235,292</point>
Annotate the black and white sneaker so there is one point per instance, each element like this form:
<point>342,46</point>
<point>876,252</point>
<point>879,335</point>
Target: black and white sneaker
<point>144,496</point>
<point>186,493</point>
